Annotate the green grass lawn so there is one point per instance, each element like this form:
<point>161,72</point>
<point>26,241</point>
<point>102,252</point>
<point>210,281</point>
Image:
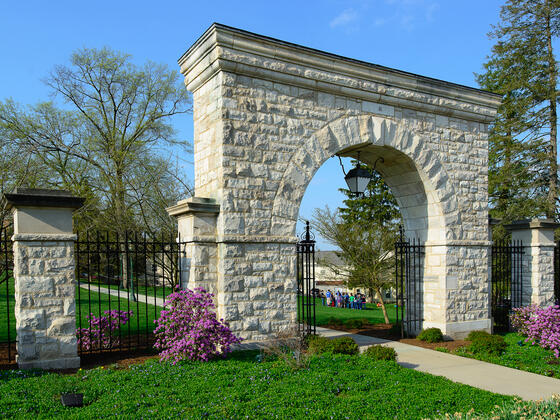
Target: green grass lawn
<point>373,314</point>
<point>521,355</point>
<point>142,319</point>
<point>150,291</point>
<point>4,313</point>
<point>240,387</point>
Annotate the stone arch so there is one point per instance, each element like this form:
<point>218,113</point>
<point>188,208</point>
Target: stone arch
<point>268,114</point>
<point>414,173</point>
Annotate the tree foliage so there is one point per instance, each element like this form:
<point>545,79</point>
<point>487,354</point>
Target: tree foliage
<point>377,205</point>
<point>366,250</point>
<point>523,173</point>
<point>109,138</point>
<point>364,230</point>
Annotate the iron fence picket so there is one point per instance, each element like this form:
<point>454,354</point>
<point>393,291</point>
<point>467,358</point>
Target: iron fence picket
<point>113,261</point>
<point>6,279</point>
<point>506,284</point>
<point>409,263</point>
<point>557,273</point>
<point>305,276</point>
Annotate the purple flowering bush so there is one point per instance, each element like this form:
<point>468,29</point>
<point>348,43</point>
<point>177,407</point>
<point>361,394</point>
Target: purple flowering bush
<point>540,326</point>
<point>101,333</point>
<point>188,328</point>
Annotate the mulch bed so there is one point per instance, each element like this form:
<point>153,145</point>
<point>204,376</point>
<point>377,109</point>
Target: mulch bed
<point>126,358</point>
<point>388,332</point>
<point>120,359</point>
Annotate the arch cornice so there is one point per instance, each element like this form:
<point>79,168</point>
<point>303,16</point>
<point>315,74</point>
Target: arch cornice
<point>345,136</point>
<point>226,49</point>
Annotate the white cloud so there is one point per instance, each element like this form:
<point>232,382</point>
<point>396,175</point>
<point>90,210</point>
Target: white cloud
<point>409,13</point>
<point>344,18</point>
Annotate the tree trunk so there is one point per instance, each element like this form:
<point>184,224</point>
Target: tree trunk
<point>383,308</point>
<point>553,154</point>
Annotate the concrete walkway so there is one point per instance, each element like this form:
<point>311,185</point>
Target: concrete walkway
<point>156,301</point>
<point>495,378</point>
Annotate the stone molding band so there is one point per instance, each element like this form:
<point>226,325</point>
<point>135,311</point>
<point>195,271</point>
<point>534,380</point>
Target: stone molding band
<point>45,237</point>
<point>223,48</point>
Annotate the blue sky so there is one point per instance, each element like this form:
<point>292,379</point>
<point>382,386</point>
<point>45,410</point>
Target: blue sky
<point>445,39</point>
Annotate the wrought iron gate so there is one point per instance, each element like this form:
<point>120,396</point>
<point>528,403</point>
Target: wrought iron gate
<point>409,284</point>
<point>305,275</point>
<point>507,281</point>
<point>557,274</point>
<point>123,282</point>
<point>7,317</point>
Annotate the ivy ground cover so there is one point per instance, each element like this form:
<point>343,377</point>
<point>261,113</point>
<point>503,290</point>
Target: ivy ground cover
<point>241,387</point>
<point>520,355</point>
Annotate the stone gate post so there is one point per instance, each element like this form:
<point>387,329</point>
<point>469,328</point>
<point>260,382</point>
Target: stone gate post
<point>44,273</point>
<point>538,261</point>
<point>196,219</point>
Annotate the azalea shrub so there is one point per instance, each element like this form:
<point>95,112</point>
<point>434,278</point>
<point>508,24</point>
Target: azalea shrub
<point>540,326</point>
<point>189,329</point>
<point>102,332</point>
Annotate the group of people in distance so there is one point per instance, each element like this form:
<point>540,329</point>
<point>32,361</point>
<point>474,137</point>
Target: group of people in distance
<point>343,300</point>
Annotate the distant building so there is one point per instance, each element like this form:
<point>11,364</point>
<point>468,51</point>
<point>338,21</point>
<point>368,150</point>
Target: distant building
<point>327,279</point>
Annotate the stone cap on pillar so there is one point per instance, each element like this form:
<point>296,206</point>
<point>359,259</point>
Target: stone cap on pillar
<point>34,197</point>
<point>194,205</point>
<point>39,212</point>
<point>534,232</point>
<point>532,224</point>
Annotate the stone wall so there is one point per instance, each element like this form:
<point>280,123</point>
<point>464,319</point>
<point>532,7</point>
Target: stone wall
<point>45,310</point>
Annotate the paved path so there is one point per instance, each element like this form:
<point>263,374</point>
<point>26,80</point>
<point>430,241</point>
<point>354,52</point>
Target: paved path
<point>495,378</point>
<point>141,298</point>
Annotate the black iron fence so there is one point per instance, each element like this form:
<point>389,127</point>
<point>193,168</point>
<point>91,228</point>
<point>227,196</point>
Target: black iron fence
<point>305,275</point>
<point>123,282</point>
<point>7,318</point>
<point>557,274</point>
<point>506,282</point>
<point>409,284</point>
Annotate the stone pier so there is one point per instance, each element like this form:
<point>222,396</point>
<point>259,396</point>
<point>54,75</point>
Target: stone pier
<point>44,274</point>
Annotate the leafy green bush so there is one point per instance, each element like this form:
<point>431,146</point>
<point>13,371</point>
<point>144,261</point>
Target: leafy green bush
<point>473,335</point>
<point>378,352</point>
<point>442,349</point>
<point>344,345</point>
<point>516,409</point>
<point>491,344</point>
<point>332,320</point>
<point>340,345</point>
<point>354,323</point>
<point>317,344</point>
<point>431,335</point>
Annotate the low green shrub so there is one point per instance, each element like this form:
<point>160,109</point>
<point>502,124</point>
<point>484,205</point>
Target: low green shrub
<point>340,345</point>
<point>431,335</point>
<point>332,320</point>
<point>516,409</point>
<point>344,345</point>
<point>378,352</point>
<point>354,323</point>
<point>491,345</point>
<point>317,344</point>
<point>442,349</point>
<point>473,335</point>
